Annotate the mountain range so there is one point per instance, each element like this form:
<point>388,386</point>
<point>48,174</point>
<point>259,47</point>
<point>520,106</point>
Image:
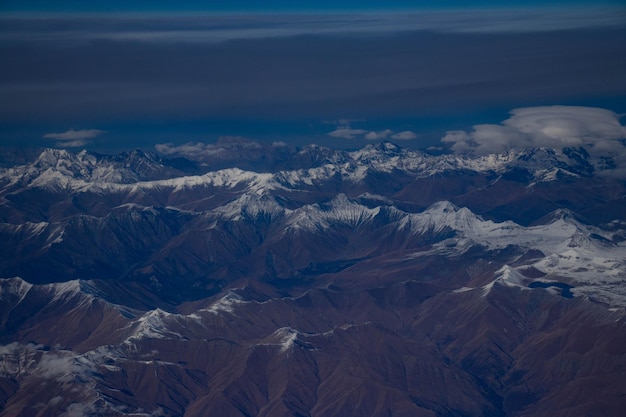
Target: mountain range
<point>265,280</point>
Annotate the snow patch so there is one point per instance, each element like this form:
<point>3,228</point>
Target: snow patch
<point>226,304</point>
<point>285,337</point>
<point>153,325</point>
<point>340,210</point>
<point>14,286</point>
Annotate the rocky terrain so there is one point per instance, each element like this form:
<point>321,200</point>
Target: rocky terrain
<point>271,281</point>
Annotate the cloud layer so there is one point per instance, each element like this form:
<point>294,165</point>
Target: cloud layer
<point>556,127</point>
<point>199,27</point>
<point>175,69</point>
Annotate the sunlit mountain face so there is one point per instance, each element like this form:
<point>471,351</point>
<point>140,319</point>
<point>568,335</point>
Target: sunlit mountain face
<point>313,209</point>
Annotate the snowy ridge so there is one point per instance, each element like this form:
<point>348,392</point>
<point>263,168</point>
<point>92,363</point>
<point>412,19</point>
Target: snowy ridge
<point>445,215</point>
<point>582,254</point>
<point>251,206</point>
<point>347,171</point>
<point>509,277</point>
<point>57,292</point>
<point>285,337</point>
<point>595,268</point>
<point>56,168</point>
<point>372,159</point>
<point>160,324</point>
<point>29,228</point>
<point>51,232</point>
<point>569,246</point>
<point>14,287</point>
<point>571,252</point>
<point>340,210</point>
<point>18,359</point>
<point>436,219</point>
<point>226,304</point>
<point>65,289</point>
<point>81,372</point>
<point>386,157</point>
<point>258,183</point>
<point>227,178</point>
<point>63,170</point>
<point>75,294</point>
<point>348,212</point>
<point>153,325</point>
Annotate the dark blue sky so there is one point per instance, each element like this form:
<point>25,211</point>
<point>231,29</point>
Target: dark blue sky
<point>134,80</point>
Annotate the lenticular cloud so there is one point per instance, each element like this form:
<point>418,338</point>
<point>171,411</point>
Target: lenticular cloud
<point>561,126</point>
<point>556,127</point>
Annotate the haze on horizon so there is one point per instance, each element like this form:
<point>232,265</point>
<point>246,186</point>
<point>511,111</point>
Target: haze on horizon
<point>113,75</point>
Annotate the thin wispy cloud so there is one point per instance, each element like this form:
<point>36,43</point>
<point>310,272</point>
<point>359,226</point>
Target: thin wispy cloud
<point>74,138</point>
<point>347,133</point>
<point>226,147</point>
<point>80,410</point>
<point>344,131</point>
<point>404,135</point>
<point>210,28</point>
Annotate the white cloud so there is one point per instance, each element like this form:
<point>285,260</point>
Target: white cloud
<point>404,135</point>
<point>461,140</point>
<point>9,349</point>
<point>556,127</point>
<point>74,138</point>
<point>347,133</point>
<point>383,134</point>
<point>80,410</point>
<point>53,366</point>
<point>55,400</point>
<point>563,126</point>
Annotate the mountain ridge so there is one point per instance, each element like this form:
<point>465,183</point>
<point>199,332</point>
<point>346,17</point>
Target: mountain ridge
<point>376,281</point>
